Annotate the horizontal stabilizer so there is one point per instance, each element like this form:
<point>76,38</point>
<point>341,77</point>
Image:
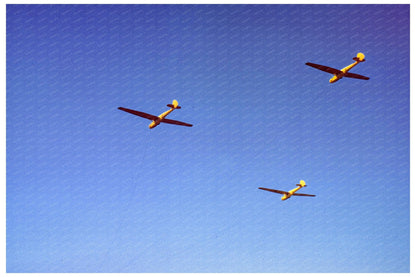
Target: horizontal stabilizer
<point>172,106</point>
<point>358,60</point>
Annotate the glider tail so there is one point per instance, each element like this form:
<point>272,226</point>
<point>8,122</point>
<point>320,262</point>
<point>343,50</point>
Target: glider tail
<point>174,105</point>
<point>359,58</point>
<point>301,184</point>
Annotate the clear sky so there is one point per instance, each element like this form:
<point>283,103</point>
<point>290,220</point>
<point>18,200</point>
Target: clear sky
<point>91,189</point>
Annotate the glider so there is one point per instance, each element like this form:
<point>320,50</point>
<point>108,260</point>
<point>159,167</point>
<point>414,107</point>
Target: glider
<point>288,194</point>
<point>156,120</point>
<point>338,74</point>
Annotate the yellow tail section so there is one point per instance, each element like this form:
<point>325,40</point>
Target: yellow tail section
<point>302,183</point>
<point>174,105</point>
<point>360,57</point>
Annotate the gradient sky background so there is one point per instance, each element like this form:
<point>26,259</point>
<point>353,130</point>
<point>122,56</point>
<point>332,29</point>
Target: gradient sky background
<point>92,189</point>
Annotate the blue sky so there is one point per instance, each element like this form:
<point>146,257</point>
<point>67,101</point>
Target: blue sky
<point>92,189</point>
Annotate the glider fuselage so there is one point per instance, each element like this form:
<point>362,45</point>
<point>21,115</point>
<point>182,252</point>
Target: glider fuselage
<point>343,71</point>
<point>159,119</point>
<point>291,192</point>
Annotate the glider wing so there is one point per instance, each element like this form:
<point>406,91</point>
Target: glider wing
<point>275,190</point>
<point>324,68</point>
<point>356,76</point>
<point>303,194</point>
<point>170,121</point>
<point>141,114</point>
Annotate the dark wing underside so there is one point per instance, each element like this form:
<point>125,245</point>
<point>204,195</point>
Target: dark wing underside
<point>275,190</point>
<point>303,194</point>
<point>170,121</point>
<point>356,76</point>
<point>324,68</point>
<point>141,114</point>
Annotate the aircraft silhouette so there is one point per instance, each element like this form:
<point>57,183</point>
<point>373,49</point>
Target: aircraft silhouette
<point>338,74</point>
<point>290,193</point>
<point>156,120</point>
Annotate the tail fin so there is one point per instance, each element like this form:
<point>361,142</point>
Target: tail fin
<point>301,184</point>
<point>174,105</point>
<point>359,58</point>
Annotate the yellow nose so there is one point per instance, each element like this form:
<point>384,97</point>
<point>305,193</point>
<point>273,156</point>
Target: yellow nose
<point>333,79</point>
